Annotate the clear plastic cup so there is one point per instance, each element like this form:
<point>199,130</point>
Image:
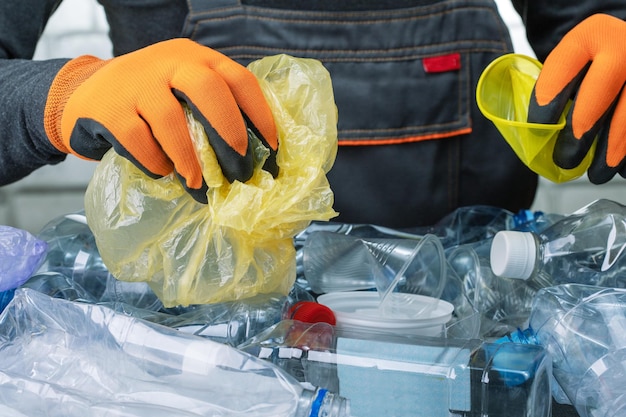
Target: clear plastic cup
<point>336,262</point>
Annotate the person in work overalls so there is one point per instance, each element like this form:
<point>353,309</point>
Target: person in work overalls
<point>412,144</point>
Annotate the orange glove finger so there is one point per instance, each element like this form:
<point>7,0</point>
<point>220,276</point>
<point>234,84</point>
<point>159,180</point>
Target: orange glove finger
<point>256,111</point>
<point>170,137</point>
<point>248,94</point>
<point>586,67</point>
<point>616,148</point>
<point>609,157</point>
<point>244,88</point>
<point>225,128</point>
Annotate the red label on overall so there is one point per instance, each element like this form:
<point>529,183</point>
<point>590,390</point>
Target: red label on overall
<point>442,63</point>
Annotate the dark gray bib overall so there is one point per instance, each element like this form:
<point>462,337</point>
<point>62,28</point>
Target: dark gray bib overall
<point>413,144</point>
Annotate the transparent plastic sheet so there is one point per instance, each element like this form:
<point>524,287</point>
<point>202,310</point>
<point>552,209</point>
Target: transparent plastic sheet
<point>20,255</point>
<point>63,358</point>
<point>241,243</point>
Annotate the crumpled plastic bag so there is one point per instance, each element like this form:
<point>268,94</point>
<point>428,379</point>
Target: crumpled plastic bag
<point>20,255</point>
<point>241,243</point>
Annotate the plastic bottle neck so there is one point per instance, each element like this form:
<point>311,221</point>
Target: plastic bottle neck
<point>526,337</point>
<point>322,403</point>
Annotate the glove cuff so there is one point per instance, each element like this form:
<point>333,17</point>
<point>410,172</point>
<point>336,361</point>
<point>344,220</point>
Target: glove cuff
<point>67,80</point>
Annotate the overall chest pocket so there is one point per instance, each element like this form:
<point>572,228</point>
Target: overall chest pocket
<point>399,75</point>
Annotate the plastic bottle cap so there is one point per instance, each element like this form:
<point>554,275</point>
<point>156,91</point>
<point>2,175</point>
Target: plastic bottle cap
<point>513,254</point>
<point>312,312</point>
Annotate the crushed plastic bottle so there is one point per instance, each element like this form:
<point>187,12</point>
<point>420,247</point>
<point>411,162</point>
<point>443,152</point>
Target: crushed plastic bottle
<point>586,247</point>
<point>503,304</point>
<point>465,225</point>
<point>582,328</point>
<point>391,375</point>
<point>235,322</point>
<point>73,253</point>
<point>229,323</point>
<point>64,358</point>
<point>484,306</point>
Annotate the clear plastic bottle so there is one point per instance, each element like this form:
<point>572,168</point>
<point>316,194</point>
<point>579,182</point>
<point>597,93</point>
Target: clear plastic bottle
<point>389,375</point>
<point>465,225</point>
<point>83,359</point>
<point>230,323</point>
<point>235,322</point>
<point>582,329</point>
<point>72,252</point>
<point>584,247</point>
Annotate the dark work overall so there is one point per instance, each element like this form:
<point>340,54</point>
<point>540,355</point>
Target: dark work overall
<point>413,144</point>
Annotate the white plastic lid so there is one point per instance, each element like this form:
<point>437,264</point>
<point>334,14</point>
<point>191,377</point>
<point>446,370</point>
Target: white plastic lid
<point>359,309</point>
<point>513,254</point>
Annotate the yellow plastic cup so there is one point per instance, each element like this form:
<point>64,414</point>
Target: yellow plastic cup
<point>503,93</point>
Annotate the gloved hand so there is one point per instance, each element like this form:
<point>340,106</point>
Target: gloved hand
<point>589,66</point>
<point>133,103</point>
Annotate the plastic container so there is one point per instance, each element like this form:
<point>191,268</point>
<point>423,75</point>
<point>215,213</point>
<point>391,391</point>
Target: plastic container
<point>582,328</point>
<point>410,314</point>
<point>81,359</point>
<point>389,375</point>
<point>586,247</point>
<point>503,94</point>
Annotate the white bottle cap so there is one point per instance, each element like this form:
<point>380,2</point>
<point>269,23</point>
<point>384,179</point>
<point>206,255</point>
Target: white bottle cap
<point>513,254</point>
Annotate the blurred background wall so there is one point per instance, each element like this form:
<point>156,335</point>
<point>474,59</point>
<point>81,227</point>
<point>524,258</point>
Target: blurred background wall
<point>79,27</point>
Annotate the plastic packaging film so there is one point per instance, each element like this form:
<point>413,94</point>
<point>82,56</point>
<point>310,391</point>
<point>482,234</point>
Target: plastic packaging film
<point>502,95</point>
<point>241,243</point>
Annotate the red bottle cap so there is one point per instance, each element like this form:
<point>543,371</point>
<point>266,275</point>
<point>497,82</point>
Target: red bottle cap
<point>312,312</point>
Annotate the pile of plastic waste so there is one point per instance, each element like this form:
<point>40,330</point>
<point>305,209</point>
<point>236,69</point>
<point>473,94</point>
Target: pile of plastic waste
<point>486,313</point>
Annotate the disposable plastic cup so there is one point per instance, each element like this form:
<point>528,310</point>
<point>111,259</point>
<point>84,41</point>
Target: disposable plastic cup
<point>360,310</point>
<point>503,94</point>
<point>335,262</point>
<point>420,271</point>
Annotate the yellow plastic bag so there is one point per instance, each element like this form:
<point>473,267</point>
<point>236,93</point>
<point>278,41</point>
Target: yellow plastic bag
<point>503,94</point>
<point>240,243</point>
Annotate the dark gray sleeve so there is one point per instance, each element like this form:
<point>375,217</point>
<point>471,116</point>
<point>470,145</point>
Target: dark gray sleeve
<point>24,86</point>
<point>24,146</point>
<point>547,21</point>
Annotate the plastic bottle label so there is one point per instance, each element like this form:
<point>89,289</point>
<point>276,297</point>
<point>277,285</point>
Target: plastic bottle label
<point>414,380</point>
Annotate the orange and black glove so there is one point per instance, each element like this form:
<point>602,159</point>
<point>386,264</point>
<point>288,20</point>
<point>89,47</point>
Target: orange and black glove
<point>133,103</point>
<point>588,66</point>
